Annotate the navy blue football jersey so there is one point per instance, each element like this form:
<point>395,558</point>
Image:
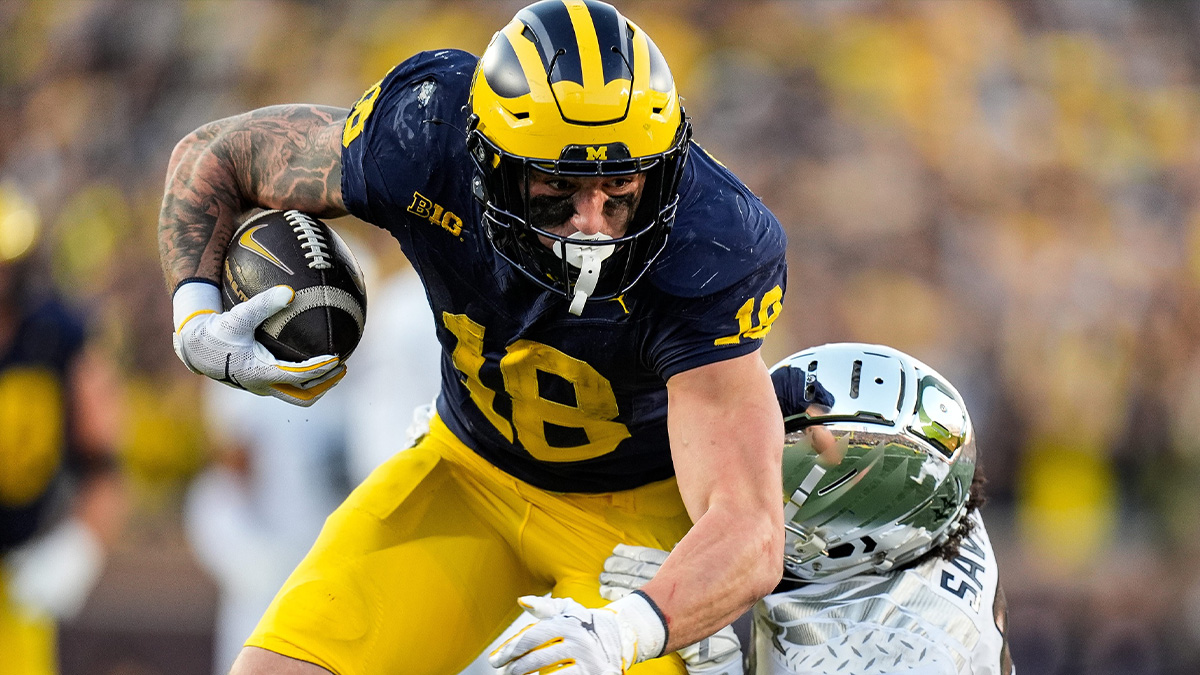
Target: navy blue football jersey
<point>35,442</point>
<point>567,403</point>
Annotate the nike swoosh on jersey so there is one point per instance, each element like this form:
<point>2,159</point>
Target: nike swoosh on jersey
<point>248,242</point>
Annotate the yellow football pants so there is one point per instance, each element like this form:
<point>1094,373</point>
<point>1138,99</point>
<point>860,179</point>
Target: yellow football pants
<point>27,642</point>
<point>420,568</point>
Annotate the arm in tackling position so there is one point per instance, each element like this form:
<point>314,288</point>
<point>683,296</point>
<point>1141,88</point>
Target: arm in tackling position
<point>727,442</point>
<point>628,569</point>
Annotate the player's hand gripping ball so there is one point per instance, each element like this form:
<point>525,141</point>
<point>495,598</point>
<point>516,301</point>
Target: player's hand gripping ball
<point>294,249</point>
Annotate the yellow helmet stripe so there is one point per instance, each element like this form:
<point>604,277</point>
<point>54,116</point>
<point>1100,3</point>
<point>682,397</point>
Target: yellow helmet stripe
<point>590,60</point>
<point>589,98</point>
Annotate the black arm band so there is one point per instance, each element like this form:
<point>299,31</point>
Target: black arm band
<point>189,280</point>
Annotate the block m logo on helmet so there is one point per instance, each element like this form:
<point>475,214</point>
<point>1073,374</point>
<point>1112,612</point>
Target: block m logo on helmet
<point>600,152</point>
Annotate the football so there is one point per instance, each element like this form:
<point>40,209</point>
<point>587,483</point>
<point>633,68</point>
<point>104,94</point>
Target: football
<point>295,249</point>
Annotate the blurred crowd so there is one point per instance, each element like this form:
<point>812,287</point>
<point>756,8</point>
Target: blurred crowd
<point>1007,190</point>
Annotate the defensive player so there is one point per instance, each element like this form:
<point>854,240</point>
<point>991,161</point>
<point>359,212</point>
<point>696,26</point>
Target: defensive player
<point>601,287</point>
<point>888,566</point>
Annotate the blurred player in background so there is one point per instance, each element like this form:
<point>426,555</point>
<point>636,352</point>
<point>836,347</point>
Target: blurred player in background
<point>398,371</point>
<point>888,565</point>
<point>601,381</point>
<point>62,500</point>
<point>252,515</point>
<point>281,470</point>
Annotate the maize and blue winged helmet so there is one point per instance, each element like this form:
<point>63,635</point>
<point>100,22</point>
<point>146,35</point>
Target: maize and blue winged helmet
<point>573,88</point>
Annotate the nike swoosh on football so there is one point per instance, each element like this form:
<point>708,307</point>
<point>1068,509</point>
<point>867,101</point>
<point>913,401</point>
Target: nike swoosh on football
<point>248,242</point>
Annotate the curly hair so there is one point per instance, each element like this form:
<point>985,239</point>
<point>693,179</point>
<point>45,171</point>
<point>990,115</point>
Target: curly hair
<point>975,500</point>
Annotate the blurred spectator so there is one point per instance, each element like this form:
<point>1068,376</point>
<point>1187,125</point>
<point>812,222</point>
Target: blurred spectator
<point>62,501</point>
<point>252,515</point>
<point>280,470</point>
<point>396,369</point>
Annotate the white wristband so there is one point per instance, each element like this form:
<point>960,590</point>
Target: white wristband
<point>192,298</point>
<point>642,623</point>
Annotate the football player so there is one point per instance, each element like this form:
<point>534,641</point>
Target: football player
<point>601,287</point>
<point>62,499</point>
<point>888,565</point>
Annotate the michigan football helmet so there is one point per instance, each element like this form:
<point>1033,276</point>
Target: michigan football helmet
<point>878,459</point>
<point>573,88</point>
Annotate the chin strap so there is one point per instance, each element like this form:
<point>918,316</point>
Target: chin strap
<point>807,544</point>
<point>587,259</point>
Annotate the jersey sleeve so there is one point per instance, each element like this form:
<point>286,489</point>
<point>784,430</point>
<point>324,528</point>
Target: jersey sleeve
<point>724,325</point>
<point>397,135</point>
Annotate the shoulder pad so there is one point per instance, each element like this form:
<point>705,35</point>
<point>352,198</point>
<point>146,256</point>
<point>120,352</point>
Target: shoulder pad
<point>722,233</point>
<point>406,133</point>
<point>448,68</point>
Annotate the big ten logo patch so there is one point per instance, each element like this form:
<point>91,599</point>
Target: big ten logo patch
<point>434,213</point>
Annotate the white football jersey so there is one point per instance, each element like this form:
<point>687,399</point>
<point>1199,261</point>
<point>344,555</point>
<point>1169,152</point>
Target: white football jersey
<point>937,618</point>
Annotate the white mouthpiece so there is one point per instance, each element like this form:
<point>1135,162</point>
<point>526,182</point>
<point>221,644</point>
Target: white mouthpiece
<point>588,260</point>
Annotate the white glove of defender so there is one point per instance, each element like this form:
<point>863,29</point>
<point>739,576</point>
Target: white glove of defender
<point>628,569</point>
<point>570,639</point>
<point>221,345</point>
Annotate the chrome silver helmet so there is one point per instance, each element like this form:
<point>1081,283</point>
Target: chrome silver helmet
<point>878,459</point>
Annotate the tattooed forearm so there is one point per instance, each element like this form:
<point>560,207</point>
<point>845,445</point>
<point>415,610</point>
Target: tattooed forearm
<point>278,157</point>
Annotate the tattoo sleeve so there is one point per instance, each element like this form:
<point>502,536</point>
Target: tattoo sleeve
<point>279,157</point>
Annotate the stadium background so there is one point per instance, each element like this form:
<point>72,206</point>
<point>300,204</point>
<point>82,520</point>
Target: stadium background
<point>1006,190</point>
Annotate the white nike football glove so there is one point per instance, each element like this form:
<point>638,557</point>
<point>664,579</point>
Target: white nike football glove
<point>221,345</point>
<point>570,639</point>
<point>628,569</point>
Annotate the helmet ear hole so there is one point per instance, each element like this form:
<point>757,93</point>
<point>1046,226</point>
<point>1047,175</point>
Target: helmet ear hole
<point>841,551</point>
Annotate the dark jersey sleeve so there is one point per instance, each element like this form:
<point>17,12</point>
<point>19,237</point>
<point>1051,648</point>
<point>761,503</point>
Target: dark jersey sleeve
<point>396,137</point>
<point>725,325</point>
<point>724,272</point>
